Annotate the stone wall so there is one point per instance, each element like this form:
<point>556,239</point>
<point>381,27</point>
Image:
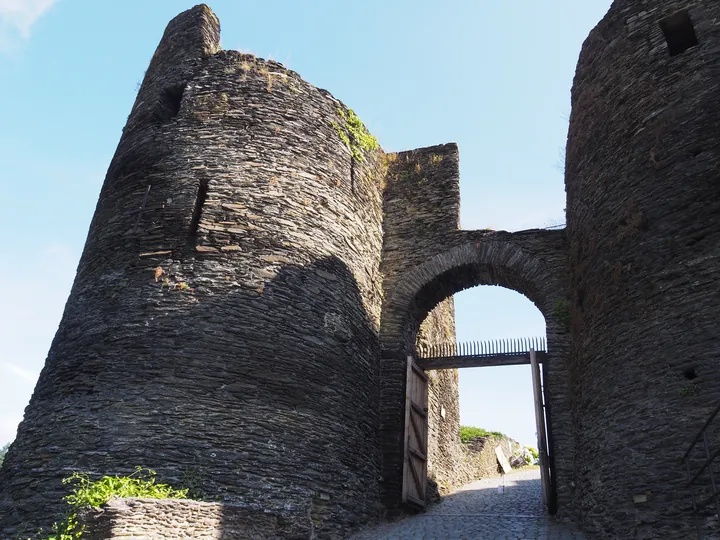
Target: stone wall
<point>427,258</point>
<point>223,327</point>
<point>125,519</point>
<point>643,205</point>
<point>444,452</point>
<point>421,204</point>
<point>479,459</point>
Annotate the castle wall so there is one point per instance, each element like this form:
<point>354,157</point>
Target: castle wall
<point>533,263</point>
<point>421,205</point>
<point>426,259</point>
<point>178,519</point>
<point>643,206</point>
<point>444,451</point>
<point>227,334</point>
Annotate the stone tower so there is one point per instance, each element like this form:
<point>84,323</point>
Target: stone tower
<point>643,209</point>
<point>223,324</point>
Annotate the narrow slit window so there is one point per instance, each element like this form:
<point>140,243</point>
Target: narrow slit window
<point>168,105</point>
<point>679,32</point>
<point>197,211</point>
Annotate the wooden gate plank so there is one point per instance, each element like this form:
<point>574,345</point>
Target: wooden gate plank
<point>415,435</point>
<point>540,426</point>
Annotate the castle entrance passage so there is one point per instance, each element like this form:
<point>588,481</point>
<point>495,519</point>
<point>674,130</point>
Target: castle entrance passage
<point>475,354</point>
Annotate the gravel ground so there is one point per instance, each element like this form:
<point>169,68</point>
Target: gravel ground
<point>478,511</point>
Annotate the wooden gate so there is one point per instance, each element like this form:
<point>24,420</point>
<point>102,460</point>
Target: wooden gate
<point>540,422</point>
<point>416,435</point>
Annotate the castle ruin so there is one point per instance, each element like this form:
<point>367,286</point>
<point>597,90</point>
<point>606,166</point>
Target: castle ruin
<point>254,280</point>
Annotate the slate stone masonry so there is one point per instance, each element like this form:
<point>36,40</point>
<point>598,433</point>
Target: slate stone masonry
<point>249,293</point>
<point>643,206</point>
<point>223,327</point>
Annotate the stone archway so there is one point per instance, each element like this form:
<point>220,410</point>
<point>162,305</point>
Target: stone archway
<point>532,263</point>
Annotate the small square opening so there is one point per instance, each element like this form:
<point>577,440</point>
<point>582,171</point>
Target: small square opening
<point>679,32</point>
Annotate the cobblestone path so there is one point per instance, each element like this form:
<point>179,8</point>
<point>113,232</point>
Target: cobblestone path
<point>478,511</point>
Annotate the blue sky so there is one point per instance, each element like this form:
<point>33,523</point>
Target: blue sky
<point>494,77</point>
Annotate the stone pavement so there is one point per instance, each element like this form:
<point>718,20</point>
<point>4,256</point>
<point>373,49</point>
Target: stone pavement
<point>478,511</point>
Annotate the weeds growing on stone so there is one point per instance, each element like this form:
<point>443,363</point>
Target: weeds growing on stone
<point>87,494</point>
<point>467,433</point>
<point>354,135</point>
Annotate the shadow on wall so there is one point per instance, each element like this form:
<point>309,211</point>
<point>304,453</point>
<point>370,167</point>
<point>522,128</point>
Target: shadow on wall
<point>267,400</point>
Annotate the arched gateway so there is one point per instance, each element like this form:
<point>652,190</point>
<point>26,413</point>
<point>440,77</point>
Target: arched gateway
<point>530,262</point>
<point>254,280</point>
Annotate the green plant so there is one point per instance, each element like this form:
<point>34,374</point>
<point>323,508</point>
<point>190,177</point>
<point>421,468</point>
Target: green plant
<point>87,493</point>
<point>688,389</point>
<point>562,314</point>
<point>533,451</point>
<point>354,135</point>
<point>467,433</point>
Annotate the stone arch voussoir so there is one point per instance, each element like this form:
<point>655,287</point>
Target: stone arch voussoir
<point>485,262</point>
